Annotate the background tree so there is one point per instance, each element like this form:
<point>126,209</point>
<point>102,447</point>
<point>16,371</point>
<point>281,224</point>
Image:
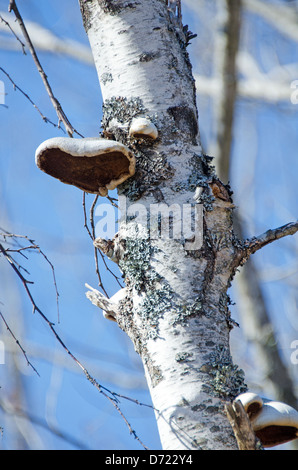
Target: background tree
<point>89,132</point>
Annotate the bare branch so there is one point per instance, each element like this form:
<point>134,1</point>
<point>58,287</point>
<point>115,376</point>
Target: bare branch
<point>33,246</point>
<point>251,245</point>
<point>18,344</point>
<point>15,35</point>
<point>60,113</point>
<point>256,243</point>
<point>260,331</point>
<point>91,233</point>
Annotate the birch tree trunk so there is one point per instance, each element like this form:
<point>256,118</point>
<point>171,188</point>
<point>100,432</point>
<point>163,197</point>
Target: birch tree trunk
<point>176,308</point>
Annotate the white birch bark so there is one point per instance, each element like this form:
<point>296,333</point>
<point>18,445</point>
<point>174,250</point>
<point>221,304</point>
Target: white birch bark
<point>176,305</point>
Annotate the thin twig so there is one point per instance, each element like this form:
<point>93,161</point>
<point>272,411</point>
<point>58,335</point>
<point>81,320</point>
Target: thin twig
<point>114,403</point>
<point>91,215</point>
<point>85,216</point>
<point>60,113</point>
<point>91,233</point>
<point>16,87</point>
<point>18,343</point>
<point>113,201</point>
<point>34,247</point>
<point>251,245</point>
<point>94,235</point>
<point>91,218</point>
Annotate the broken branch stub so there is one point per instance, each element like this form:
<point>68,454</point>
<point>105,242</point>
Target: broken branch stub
<point>109,307</point>
<point>93,165</point>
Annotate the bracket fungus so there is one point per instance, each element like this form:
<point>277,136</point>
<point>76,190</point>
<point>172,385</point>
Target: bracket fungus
<point>141,128</point>
<point>94,165</point>
<point>273,422</point>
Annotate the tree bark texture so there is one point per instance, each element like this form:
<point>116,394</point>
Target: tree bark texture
<point>176,308</point>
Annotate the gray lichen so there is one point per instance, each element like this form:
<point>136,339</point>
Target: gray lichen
<point>183,356</point>
<point>184,311</point>
<point>156,302</point>
<point>158,296</point>
<point>148,56</point>
<point>135,262</point>
<point>223,378</point>
<point>113,7</point>
<point>121,109</point>
<point>106,77</point>
<point>152,167</point>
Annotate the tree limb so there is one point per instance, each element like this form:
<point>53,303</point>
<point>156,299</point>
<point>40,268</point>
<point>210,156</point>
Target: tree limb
<point>256,243</point>
<point>260,330</point>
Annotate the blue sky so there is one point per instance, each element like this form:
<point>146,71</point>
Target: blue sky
<point>51,213</point>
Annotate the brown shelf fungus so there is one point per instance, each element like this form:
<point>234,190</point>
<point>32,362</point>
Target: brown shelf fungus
<point>273,422</point>
<point>92,164</point>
